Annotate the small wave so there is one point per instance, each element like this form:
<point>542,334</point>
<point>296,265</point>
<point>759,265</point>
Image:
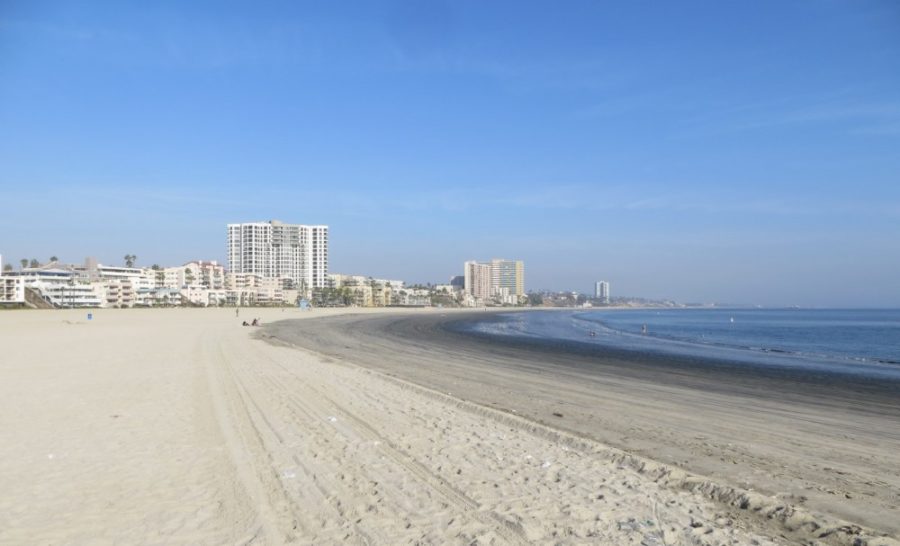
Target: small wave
<point>701,341</point>
<point>582,325</point>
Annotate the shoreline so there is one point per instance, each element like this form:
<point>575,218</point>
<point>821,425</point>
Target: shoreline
<point>726,375</point>
<point>686,350</point>
<point>821,442</point>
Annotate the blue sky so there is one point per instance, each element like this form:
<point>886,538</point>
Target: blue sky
<point>709,151</point>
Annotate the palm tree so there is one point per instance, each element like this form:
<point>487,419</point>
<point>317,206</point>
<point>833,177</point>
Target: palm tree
<point>130,259</point>
<point>7,267</point>
<point>24,262</point>
<point>34,263</point>
<point>54,259</point>
<point>347,295</point>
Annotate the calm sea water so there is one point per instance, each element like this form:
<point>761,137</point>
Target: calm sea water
<point>859,341</point>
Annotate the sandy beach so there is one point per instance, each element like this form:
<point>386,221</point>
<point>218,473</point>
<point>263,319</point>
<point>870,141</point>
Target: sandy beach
<point>180,426</point>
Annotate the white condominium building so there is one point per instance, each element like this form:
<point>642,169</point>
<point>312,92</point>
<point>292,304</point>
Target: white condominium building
<point>275,249</point>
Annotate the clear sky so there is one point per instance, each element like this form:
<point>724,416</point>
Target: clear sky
<point>713,151</point>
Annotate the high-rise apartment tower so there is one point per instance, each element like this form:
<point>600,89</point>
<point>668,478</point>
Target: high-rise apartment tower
<point>484,280</point>
<point>275,249</point>
<point>477,279</point>
<point>509,274</point>
<point>601,291</point>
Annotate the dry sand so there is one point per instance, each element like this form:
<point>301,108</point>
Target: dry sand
<point>182,427</point>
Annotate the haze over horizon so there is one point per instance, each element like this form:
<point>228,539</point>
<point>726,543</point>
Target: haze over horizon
<point>703,151</point>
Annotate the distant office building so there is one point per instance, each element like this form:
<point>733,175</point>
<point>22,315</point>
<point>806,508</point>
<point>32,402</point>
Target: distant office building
<point>275,249</point>
<point>477,279</point>
<point>601,291</point>
<point>458,282</point>
<point>508,275</point>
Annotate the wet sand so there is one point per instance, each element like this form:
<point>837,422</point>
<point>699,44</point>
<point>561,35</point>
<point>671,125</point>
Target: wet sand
<point>828,443</point>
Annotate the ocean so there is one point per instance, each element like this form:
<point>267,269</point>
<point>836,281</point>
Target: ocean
<point>856,341</point>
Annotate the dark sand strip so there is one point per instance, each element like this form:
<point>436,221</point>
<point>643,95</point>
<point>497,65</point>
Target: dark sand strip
<point>829,442</point>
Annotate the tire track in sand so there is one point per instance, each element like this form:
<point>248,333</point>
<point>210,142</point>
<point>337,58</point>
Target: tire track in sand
<point>236,425</point>
<point>272,479</point>
<point>511,532</point>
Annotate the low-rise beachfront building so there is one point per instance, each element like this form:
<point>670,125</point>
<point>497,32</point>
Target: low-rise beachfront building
<point>411,297</point>
<point>114,272</point>
<point>338,280</point>
<point>269,291</point>
<point>200,283</point>
<point>206,274</point>
<point>203,297</point>
<point>71,295</point>
<point>209,273</point>
<point>12,290</point>
<point>503,297</point>
<point>157,297</point>
<point>291,297</point>
<point>365,291</point>
<point>174,277</point>
<point>238,281</point>
<point>125,287</point>
<point>446,295</point>
<point>243,297</point>
<point>91,285</point>
<point>197,274</point>
<point>55,286</point>
<point>119,293</point>
<point>119,286</point>
<point>265,292</point>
